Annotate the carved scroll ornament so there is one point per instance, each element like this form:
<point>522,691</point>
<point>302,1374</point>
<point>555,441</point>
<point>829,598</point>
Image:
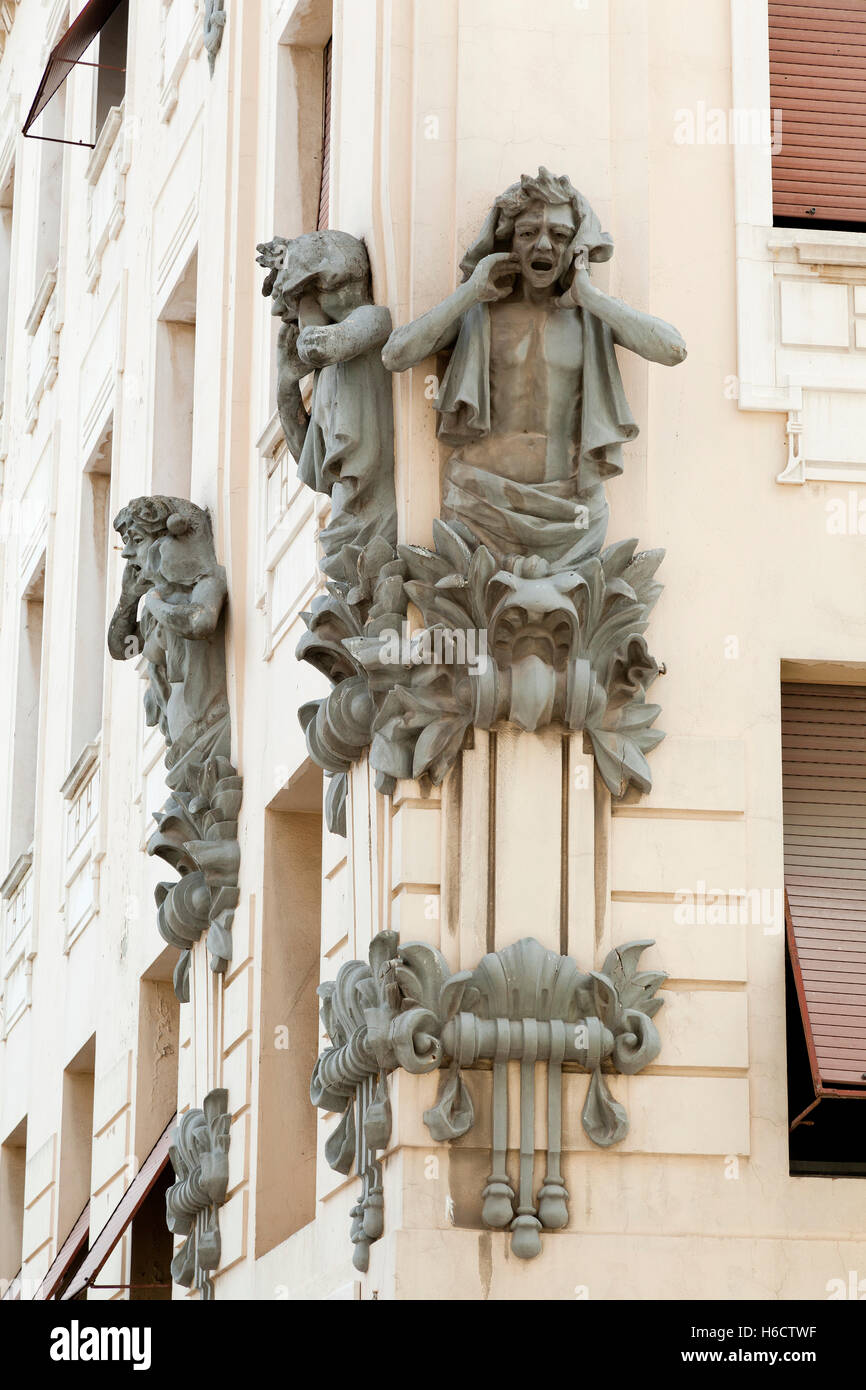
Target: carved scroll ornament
<point>170,612</point>
<point>199,1156</point>
<point>214,23</point>
<point>522,1004</point>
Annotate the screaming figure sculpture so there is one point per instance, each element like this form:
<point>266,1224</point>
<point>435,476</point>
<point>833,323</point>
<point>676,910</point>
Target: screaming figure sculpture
<point>532,398</point>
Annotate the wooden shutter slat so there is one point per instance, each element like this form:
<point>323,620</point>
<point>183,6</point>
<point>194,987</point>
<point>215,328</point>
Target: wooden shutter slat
<point>824,75</point>
<point>819,9</point>
<point>818,83</point>
<point>823,788</point>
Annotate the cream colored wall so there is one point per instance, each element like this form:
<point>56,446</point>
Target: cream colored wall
<point>697,1200</point>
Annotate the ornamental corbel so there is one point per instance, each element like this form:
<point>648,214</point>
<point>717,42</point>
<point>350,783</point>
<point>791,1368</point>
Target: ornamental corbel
<point>199,1156</point>
<point>522,1004</point>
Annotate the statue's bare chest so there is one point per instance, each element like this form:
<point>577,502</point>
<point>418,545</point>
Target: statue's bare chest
<point>535,341</point>
<point>536,358</point>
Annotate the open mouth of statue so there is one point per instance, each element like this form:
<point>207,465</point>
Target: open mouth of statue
<point>541,265</point>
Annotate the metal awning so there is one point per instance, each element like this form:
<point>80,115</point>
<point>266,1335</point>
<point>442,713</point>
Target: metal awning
<point>66,53</point>
<point>69,1252</point>
<point>122,1215</point>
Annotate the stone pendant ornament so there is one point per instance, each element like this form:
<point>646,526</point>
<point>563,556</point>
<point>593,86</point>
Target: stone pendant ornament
<point>214,23</point>
<point>171,612</point>
<point>378,1016</point>
<point>199,1156</point>
<point>523,1004</point>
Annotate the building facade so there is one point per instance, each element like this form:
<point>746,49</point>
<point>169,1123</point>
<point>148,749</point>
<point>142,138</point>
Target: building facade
<point>141,360</point>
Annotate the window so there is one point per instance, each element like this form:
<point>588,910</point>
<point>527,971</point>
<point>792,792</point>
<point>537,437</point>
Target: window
<point>286,1180</point>
<point>27,701</point>
<point>174,388</point>
<point>7,192</point>
<point>76,1139</point>
<point>12,1167</point>
<point>158,1053</point>
<point>824,807</point>
<point>818,83</point>
<point>90,617</point>
<point>111,73</point>
<point>325,190</point>
<point>154,1171</point>
<point>152,1245</point>
<point>302,121</point>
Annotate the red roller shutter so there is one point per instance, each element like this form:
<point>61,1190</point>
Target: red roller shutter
<point>325,189</point>
<point>824,791</point>
<point>818,82</point>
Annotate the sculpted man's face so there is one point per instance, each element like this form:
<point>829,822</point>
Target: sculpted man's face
<point>542,239</point>
<point>136,546</point>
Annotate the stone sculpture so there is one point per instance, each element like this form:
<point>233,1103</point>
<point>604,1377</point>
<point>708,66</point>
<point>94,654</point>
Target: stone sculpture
<point>524,1003</point>
<point>170,611</point>
<point>532,398</point>
<point>214,23</point>
<point>525,616</point>
<point>200,1158</point>
<point>320,287</point>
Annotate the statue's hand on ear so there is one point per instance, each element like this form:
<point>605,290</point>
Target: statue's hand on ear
<point>493,277</point>
<point>575,294</point>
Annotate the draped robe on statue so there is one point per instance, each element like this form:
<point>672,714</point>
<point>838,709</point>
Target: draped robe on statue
<point>543,519</point>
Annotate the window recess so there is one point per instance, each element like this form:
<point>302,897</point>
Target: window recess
<point>824,807</point>
<point>323,219</point>
<point>818,85</point>
<point>110,16</point>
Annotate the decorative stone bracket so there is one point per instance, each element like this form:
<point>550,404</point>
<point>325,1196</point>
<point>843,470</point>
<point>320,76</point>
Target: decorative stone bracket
<point>516,640</point>
<point>199,1156</point>
<point>524,1003</point>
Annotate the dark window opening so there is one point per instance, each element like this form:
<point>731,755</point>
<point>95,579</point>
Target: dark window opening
<point>152,1245</point>
<point>111,73</point>
<point>830,1140</point>
<point>325,189</point>
<point>824,816</point>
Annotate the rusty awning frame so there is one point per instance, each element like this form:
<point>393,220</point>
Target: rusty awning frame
<point>822,1092</point>
<point>132,1199</point>
<point>63,1261</point>
<point>64,56</point>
